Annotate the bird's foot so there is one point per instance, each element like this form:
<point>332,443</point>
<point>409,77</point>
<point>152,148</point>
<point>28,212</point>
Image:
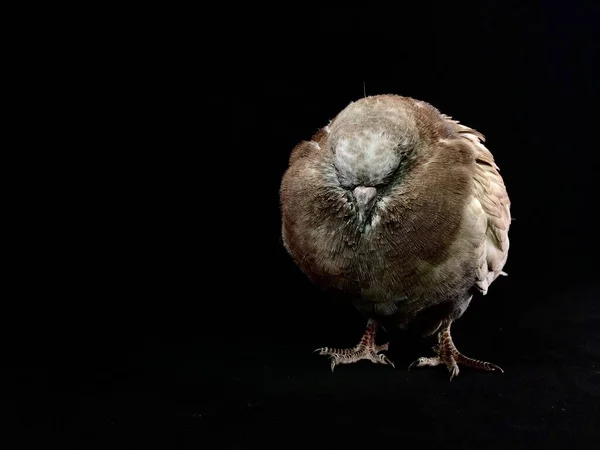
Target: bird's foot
<point>352,355</point>
<point>448,354</point>
<point>366,349</point>
<point>436,361</point>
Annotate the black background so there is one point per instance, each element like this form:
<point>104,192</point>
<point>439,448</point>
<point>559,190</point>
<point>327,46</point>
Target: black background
<point>157,304</point>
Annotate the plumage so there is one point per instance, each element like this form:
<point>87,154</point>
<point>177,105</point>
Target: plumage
<point>402,210</point>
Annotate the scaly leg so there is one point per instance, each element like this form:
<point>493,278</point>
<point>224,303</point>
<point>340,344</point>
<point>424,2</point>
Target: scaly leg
<point>366,349</point>
<point>448,354</point>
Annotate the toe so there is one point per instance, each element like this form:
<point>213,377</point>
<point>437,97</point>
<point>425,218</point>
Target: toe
<point>454,371</point>
<point>382,348</point>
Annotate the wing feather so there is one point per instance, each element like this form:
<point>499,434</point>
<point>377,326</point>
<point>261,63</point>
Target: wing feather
<point>491,202</point>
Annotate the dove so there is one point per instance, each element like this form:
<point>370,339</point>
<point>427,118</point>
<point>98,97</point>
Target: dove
<point>403,211</point>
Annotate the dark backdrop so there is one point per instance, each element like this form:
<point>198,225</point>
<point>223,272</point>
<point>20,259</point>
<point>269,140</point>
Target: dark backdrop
<point>160,306</point>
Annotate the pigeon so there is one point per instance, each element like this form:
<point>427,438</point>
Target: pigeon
<point>402,211</point>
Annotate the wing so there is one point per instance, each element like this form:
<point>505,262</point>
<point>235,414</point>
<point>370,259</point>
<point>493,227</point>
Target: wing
<point>491,204</point>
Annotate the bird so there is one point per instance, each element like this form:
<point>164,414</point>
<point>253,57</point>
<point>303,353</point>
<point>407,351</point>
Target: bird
<point>401,210</point>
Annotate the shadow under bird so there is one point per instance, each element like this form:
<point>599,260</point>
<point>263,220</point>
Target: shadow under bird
<point>403,211</point>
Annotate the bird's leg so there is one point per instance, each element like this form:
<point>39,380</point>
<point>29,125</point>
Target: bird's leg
<point>366,349</point>
<point>448,354</point>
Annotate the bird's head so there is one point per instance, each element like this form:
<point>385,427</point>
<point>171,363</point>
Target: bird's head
<point>371,139</point>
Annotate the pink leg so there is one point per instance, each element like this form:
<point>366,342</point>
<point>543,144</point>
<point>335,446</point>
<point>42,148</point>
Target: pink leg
<point>366,349</point>
<point>448,354</point>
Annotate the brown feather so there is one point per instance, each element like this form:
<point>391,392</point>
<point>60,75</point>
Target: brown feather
<point>440,200</point>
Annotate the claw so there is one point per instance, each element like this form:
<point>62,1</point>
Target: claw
<point>454,372</point>
<point>417,362</point>
<point>495,367</point>
<point>388,361</point>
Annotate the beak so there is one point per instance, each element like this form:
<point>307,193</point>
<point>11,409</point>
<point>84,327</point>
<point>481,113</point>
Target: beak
<point>365,200</point>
